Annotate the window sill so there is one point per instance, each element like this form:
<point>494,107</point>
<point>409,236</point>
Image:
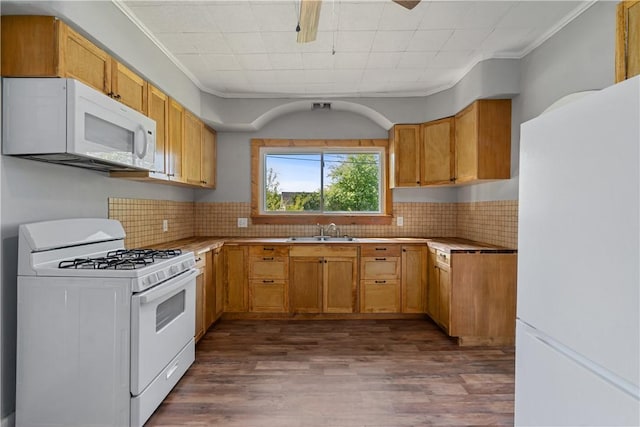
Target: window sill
<point>323,219</point>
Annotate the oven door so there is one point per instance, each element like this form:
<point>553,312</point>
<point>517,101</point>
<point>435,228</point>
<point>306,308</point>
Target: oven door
<point>162,323</point>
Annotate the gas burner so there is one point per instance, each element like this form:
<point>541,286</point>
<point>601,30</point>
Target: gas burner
<point>121,259</point>
<point>145,253</point>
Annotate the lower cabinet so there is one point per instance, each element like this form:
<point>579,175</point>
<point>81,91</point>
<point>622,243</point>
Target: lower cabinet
<point>414,278</point>
<point>219,282</point>
<point>200,298</point>
<point>236,278</point>
<point>380,268</point>
<point>269,279</point>
<point>379,296</point>
<point>323,279</point>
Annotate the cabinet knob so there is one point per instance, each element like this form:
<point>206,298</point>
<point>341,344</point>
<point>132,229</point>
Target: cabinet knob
<point>381,259</point>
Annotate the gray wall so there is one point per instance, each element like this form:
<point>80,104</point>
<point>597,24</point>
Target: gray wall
<point>577,58</point>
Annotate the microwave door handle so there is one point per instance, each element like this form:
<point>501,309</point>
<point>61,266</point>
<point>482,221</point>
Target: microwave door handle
<point>141,151</point>
<point>164,290</point>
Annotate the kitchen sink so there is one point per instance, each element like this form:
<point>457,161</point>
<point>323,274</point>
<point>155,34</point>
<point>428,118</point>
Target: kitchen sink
<point>321,239</point>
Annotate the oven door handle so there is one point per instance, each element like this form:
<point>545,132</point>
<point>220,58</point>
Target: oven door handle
<point>161,291</point>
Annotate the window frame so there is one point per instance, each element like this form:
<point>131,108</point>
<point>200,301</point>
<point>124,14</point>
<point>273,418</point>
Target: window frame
<point>260,147</point>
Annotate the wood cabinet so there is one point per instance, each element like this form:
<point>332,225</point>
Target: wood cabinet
<point>414,278</point>
<point>473,295</point>
<point>404,152</point>
<point>323,278</point>
<point>627,40</point>
<point>483,141</point>
<point>217,258</point>
<point>380,268</point>
<point>209,157</point>
<point>158,110</point>
<point>176,140</point>
<point>437,152</point>
<point>236,279</point>
<point>210,294</point>
<point>201,298</point>
<point>269,279</point>
<point>44,46</point>
<point>192,151</point>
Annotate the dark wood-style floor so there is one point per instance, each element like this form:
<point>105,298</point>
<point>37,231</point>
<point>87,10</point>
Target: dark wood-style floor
<point>339,373</point>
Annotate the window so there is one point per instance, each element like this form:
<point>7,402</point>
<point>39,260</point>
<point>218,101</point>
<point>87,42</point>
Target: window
<point>304,181</point>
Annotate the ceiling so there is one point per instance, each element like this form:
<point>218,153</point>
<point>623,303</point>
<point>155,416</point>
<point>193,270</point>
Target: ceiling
<point>363,47</point>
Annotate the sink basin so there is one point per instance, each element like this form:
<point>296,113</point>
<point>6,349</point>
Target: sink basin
<point>321,239</point>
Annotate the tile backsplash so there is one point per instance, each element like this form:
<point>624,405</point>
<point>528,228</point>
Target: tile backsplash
<point>490,222</point>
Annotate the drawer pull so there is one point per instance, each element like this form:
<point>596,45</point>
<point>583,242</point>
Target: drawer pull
<point>268,249</point>
<point>381,281</point>
<point>381,249</point>
<point>267,281</point>
<point>270,258</point>
<point>381,259</point>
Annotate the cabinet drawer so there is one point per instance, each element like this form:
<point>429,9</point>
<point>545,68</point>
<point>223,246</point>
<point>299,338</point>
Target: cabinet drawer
<point>270,296</point>
<point>268,267</point>
<point>380,296</point>
<point>268,250</point>
<point>201,260</point>
<point>380,250</point>
<point>443,257</point>
<point>381,267</point>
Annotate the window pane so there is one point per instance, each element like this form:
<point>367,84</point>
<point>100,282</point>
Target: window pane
<point>352,182</point>
<point>292,182</point>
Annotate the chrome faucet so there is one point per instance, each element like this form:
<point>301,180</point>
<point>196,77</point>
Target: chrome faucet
<point>320,229</point>
<point>333,227</point>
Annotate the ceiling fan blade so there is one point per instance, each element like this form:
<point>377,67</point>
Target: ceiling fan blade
<point>309,17</point>
<point>409,4</point>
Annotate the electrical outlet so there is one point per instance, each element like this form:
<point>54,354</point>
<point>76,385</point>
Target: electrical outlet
<point>399,221</point>
<point>243,223</point>
<point>165,225</point>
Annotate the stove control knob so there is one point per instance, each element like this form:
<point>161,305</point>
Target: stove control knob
<point>151,279</point>
<point>186,265</point>
<point>174,269</point>
<point>161,275</point>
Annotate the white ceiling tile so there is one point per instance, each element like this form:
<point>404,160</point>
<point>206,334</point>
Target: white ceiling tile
<point>329,15</point>
<point>350,60</point>
<point>258,61</point>
<point>245,42</point>
<point>416,59</point>
<point>280,42</point>
<point>383,59</point>
<point>286,61</point>
<point>262,77</point>
<point>275,16</point>
<point>444,15</point>
<point>234,17</point>
<point>318,61</point>
<point>485,14</point>
<point>346,76</point>
<point>529,14</point>
<point>391,41</point>
<point>377,75</point>
<point>318,76</point>
<point>429,40</point>
<point>209,42</point>
<point>221,62</point>
<point>508,40</point>
<point>451,59</point>
<point>290,76</point>
<point>396,17</point>
<point>359,16</point>
<point>406,75</point>
<point>440,77</point>
<point>178,43</point>
<point>173,18</point>
<point>466,39</point>
<point>355,41</point>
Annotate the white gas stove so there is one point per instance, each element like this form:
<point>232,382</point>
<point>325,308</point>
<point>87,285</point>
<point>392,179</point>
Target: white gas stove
<point>116,325</point>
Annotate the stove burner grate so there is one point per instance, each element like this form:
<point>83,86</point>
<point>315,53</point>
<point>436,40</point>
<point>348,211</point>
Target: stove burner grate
<point>121,259</point>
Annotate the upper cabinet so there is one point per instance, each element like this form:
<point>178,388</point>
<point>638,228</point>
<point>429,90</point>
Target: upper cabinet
<point>627,40</point>
<point>192,153</point>
<point>176,140</point>
<point>43,46</point>
<point>483,141</point>
<point>438,164</point>
<point>475,145</point>
<point>404,149</point>
<point>158,110</point>
<point>209,153</point>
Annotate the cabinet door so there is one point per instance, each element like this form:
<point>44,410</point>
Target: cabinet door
<point>305,281</point>
<point>237,293</point>
<point>339,285</point>
<point>30,46</point>
<point>433,287</point>
<point>192,148</point>
<point>438,164</point>
<point>379,268</point>
<point>414,279</point>
<point>444,294</point>
<point>268,296</point>
<point>405,151</point>
<point>80,59</point>
<point>200,303</point>
<point>466,143</point>
<point>209,150</point>
<point>379,296</point>
<point>627,40</point>
<point>209,291</point>
<point>128,87</point>
<point>176,137</point>
<point>158,110</point>
<point>219,283</point>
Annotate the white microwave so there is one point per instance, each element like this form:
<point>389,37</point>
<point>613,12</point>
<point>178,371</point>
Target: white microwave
<point>65,121</point>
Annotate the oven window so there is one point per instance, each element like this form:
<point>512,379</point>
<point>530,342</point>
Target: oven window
<point>169,310</point>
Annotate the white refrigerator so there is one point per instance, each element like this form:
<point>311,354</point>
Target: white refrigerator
<point>578,327</point>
